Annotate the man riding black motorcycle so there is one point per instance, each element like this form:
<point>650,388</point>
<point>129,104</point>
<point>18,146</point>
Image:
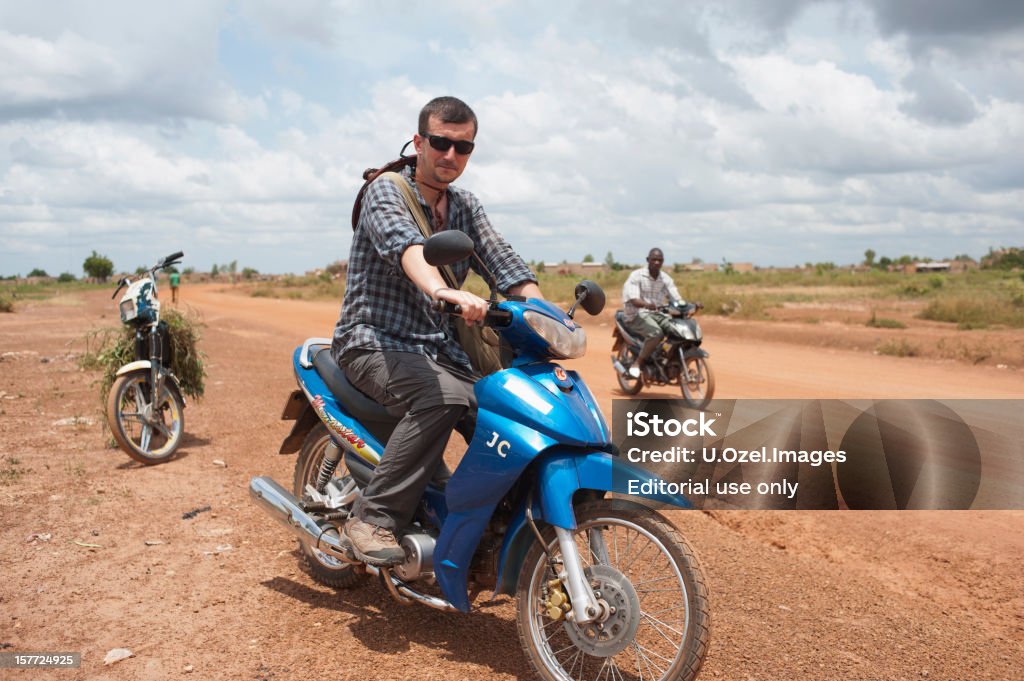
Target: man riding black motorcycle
<point>646,290</point>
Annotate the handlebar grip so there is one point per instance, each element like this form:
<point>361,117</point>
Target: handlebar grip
<point>445,307</point>
<point>174,256</point>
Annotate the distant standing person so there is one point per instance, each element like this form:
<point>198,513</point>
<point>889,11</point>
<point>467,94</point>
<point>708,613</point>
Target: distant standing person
<point>175,282</point>
<point>645,291</point>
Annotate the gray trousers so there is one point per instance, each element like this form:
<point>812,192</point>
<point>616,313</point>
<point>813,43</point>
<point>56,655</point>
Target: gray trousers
<point>432,398</point>
<point>651,327</point>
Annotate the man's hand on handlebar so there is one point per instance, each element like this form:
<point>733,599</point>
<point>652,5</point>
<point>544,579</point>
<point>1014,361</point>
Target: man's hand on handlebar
<point>473,307</point>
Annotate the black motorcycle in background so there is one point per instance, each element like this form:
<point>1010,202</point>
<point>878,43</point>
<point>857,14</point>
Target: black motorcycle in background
<point>678,360</point>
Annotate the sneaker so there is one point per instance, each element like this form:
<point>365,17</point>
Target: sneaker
<point>373,544</point>
<point>634,372</point>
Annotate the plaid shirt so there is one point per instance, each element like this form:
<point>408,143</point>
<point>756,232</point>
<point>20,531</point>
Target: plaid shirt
<point>642,285</point>
<point>383,309</point>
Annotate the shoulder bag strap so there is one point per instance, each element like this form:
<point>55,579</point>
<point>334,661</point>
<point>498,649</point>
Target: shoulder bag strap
<point>420,217</point>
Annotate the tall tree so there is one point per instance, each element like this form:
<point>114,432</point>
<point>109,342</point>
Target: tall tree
<point>98,266</point>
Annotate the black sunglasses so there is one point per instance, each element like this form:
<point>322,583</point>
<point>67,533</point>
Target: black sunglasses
<point>441,143</point>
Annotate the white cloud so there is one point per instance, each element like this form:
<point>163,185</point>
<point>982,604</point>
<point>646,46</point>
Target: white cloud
<point>774,132</point>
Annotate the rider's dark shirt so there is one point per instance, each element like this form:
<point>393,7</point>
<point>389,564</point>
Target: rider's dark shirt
<point>383,309</point>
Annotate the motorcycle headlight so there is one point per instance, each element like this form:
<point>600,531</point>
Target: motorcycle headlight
<point>565,344</point>
<point>127,310</point>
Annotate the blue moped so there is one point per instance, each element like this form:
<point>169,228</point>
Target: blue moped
<point>605,586</point>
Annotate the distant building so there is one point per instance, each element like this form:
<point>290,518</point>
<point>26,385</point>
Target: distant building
<point>575,267</point>
<point>924,267</point>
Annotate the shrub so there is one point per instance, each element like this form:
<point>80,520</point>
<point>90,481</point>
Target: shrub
<point>897,348</point>
<point>976,311</point>
<point>883,323</point>
<point>6,304</point>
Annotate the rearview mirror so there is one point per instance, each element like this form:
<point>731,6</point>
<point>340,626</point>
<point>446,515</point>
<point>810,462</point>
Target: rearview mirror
<point>590,297</point>
<point>448,247</point>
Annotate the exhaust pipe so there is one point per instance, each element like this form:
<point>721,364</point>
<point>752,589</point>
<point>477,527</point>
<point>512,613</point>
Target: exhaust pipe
<point>280,505</point>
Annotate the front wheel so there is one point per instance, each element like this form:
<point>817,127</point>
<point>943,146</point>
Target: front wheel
<point>657,623</point>
<point>148,433</point>
<point>696,381</point>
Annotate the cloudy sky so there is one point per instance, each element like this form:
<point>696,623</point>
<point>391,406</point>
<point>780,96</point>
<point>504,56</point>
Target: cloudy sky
<point>772,131</point>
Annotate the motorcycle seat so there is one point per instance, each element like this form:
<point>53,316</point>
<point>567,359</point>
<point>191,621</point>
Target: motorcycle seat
<point>620,322</point>
<point>374,416</point>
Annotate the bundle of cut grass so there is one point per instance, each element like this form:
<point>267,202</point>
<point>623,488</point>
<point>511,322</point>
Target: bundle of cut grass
<point>109,349</point>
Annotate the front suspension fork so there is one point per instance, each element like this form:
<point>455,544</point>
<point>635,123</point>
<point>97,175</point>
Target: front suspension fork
<point>585,606</point>
<point>156,370</point>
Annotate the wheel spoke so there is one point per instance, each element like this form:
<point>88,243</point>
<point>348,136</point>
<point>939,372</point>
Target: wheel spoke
<point>630,564</point>
<point>571,646</point>
<point>637,585</point>
<point>674,607</point>
<point>147,434</point>
<point>159,425</point>
<point>554,632</point>
<point>648,650</point>
<point>648,662</point>
<point>656,622</point>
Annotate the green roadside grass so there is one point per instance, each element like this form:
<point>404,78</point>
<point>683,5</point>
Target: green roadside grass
<point>976,299</point>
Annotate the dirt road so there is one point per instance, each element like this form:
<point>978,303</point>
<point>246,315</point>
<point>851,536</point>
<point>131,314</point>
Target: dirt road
<point>97,553</point>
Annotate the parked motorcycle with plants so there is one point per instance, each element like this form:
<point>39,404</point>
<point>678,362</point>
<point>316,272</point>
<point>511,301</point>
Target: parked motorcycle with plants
<point>145,408</point>
<point>605,587</point>
<point>678,360</point>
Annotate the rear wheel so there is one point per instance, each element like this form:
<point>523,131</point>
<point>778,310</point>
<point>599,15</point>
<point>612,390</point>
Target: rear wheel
<point>147,433</point>
<point>696,381</point>
<point>648,582</point>
<point>324,567</point>
<point>626,356</point>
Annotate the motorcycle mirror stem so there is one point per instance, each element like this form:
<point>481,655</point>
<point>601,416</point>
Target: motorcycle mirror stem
<point>120,285</point>
<point>579,299</point>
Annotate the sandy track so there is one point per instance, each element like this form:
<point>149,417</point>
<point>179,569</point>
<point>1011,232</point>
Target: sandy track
<point>795,595</point>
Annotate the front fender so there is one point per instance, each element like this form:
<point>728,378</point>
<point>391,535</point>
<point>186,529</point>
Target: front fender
<point>560,474</point>
<point>695,351</point>
<point>171,379</point>
<point>133,366</point>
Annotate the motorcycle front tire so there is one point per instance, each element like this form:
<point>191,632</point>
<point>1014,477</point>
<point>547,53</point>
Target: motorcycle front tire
<point>660,625</point>
<point>696,381</point>
<point>148,442</point>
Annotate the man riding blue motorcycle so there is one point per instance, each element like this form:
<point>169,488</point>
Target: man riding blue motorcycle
<point>605,586</point>
<point>388,342</point>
